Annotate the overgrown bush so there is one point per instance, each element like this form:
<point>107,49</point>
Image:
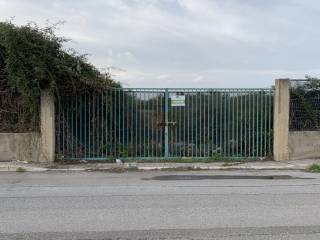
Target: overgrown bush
<point>33,59</point>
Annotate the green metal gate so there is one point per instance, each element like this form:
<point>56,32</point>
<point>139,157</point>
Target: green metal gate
<point>166,123</point>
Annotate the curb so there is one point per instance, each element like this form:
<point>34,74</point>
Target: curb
<point>124,168</point>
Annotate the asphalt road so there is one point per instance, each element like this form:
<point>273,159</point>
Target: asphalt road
<point>160,205</point>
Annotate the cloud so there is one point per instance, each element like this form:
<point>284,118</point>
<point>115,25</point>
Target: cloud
<point>172,43</point>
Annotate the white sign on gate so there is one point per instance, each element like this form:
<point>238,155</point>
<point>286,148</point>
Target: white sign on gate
<point>178,101</point>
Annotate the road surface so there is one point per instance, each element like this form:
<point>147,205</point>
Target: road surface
<point>160,205</point>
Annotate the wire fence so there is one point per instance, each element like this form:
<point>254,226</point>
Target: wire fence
<point>304,105</point>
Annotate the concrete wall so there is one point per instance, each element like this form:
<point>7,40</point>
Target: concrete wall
<point>304,144</point>
<point>281,119</point>
<point>35,147</point>
<point>290,145</point>
<point>19,146</point>
<point>47,124</point>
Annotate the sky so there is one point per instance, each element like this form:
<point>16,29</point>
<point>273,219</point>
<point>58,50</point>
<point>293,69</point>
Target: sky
<point>186,43</point>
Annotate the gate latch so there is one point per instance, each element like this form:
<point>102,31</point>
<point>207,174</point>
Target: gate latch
<point>164,124</point>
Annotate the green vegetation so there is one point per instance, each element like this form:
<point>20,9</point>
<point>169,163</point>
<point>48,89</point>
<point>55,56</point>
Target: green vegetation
<point>33,59</point>
<point>20,169</point>
<point>314,168</point>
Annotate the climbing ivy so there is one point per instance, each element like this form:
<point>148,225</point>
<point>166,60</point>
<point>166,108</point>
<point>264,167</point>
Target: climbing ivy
<point>34,58</point>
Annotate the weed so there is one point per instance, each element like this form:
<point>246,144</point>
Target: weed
<point>20,169</point>
<point>314,168</point>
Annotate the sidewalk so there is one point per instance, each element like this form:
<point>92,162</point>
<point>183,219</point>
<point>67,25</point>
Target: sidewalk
<point>12,166</point>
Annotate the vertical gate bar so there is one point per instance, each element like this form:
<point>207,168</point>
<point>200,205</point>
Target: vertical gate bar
<point>265,123</point>
<point>162,130</point>
<point>131,121</point>
<point>76,126</point>
<point>181,130</point>
<point>153,125</point>
<point>188,124</point>
<point>250,119</point>
<point>200,128</point>
<point>175,119</point>
<point>241,124</point>
<point>112,122</point>
<point>221,122</point>
<point>72,128</point>
<point>233,119</point>
<point>224,123</point>
<point>115,123</point>
<point>100,140</point>
<point>204,124</point>
<point>63,126</point>
<point>89,126</point>
<point>106,122</point>
<point>166,131</point>
<point>148,127</point>
<point>123,116</point>
<point>99,130</point>
<point>192,122</point>
<point>229,122</point>
<point>95,129</point>
<point>184,125</point>
<point>136,121</point>
<point>93,125</point>
<point>209,134</point>
<point>85,124</point>
<point>237,125</point>
<point>98,125</point>
<point>212,122</point>
<point>271,107</point>
<point>102,124</point>
<point>150,120</point>
<point>257,127</point>
<point>269,123</point>
<point>112,127</point>
<point>127,122</point>
<point>196,123</point>
<point>245,124</point>
<point>178,125</point>
<point>216,111</point>
<point>261,123</point>
<point>140,123</point>
<point>119,147</point>
<point>144,124</point>
<point>80,124</point>
<point>253,124</point>
<point>157,118</point>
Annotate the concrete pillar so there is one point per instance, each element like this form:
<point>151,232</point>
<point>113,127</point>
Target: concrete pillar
<point>281,120</point>
<point>47,121</point>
